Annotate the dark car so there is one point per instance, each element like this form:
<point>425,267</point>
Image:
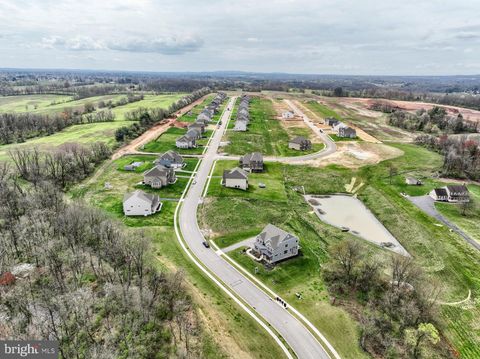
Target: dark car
<point>205,244</point>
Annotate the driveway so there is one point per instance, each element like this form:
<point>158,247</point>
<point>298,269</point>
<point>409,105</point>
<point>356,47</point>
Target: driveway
<point>427,205</point>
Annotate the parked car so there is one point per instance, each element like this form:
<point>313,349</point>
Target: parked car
<point>205,244</point>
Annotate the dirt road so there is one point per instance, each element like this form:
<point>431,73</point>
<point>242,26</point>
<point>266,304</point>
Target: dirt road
<point>154,132</point>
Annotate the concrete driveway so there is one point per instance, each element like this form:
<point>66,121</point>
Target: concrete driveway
<point>427,205</point>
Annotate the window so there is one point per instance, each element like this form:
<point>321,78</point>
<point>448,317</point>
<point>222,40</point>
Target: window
<point>285,252</point>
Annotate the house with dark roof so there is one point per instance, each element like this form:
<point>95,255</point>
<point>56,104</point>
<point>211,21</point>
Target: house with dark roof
<point>331,121</point>
<point>170,159</point>
<point>439,194</point>
<point>185,142</point>
<point>139,203</point>
<point>451,193</point>
<point>235,178</point>
<point>240,126</point>
<point>194,133</point>
<point>252,162</point>
<point>346,132</point>
<point>458,193</point>
<point>197,126</point>
<point>275,244</point>
<point>300,143</point>
<point>159,176</point>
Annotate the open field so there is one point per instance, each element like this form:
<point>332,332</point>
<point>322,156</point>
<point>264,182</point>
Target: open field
<point>232,216</point>
<point>94,132</point>
<point>30,103</point>
<point>219,315</point>
<point>266,134</point>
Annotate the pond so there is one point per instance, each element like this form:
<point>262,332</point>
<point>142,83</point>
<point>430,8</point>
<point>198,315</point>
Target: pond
<point>350,215</point>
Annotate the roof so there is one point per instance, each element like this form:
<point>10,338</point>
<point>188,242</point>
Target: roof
<point>193,132</point>
<point>274,236</point>
<point>299,140</point>
<point>236,173</point>
<point>457,189</point>
<point>172,156</point>
<point>255,156</point>
<point>184,138</point>
<point>156,171</point>
<point>441,192</point>
<point>240,126</point>
<point>142,196</point>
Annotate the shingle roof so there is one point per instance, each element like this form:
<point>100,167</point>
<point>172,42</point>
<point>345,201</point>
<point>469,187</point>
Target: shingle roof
<point>274,236</point>
<point>457,189</point>
<point>236,173</point>
<point>440,192</point>
<point>172,156</point>
<point>299,140</point>
<point>255,156</point>
<point>156,171</point>
<point>146,197</point>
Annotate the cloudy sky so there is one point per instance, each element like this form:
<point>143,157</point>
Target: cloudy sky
<point>391,37</point>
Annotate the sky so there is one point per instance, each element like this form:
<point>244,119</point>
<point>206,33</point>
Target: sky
<point>351,37</point>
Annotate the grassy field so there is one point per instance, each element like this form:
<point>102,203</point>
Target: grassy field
<point>228,330</point>
<point>232,216</point>
<point>166,141</point>
<point>322,110</point>
<point>30,103</point>
<point>265,134</point>
<point>95,132</point>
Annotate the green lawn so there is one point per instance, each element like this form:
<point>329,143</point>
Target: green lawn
<point>265,134</point>
<point>149,101</point>
<point>166,141</point>
<point>235,215</point>
<point>322,110</point>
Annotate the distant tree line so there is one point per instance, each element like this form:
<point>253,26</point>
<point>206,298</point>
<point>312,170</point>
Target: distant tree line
<point>65,166</point>
<point>435,120</point>
<point>146,118</point>
<point>68,273</point>
<point>461,154</point>
<point>397,311</point>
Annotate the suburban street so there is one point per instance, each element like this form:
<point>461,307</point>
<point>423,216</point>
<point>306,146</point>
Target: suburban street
<point>298,337</point>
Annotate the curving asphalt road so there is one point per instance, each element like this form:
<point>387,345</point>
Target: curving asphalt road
<point>330,146</point>
<point>298,337</point>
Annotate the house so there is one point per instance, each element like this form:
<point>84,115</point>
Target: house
<point>194,133</point>
<point>332,122</point>
<point>198,126</point>
<point>185,142</point>
<point>300,143</point>
<point>241,117</point>
<point>439,194</point>
<point>236,178</point>
<point>252,162</point>
<point>240,126</point>
<point>139,203</point>
<point>288,114</point>
<point>242,111</point>
<point>204,116</point>
<point>413,181</point>
<point>452,193</point>
<point>458,193</point>
<point>132,166</point>
<point>170,159</point>
<point>346,132</point>
<point>275,244</point>
<point>159,176</point>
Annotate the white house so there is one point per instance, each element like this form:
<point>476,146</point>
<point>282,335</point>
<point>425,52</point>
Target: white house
<point>139,203</point>
<point>236,178</point>
<point>275,244</point>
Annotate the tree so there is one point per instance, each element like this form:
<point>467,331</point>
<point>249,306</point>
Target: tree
<point>420,337</point>
<point>338,92</point>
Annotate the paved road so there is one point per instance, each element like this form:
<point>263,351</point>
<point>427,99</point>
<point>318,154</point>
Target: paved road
<point>291,329</point>
<point>330,146</point>
<point>427,204</point>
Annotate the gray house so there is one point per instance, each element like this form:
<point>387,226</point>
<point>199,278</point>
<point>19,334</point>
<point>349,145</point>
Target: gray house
<point>275,244</point>
<point>139,203</point>
<point>439,194</point>
<point>159,176</point>
<point>332,122</point>
<point>170,159</point>
<point>197,126</point>
<point>132,166</point>
<point>235,178</point>
<point>252,162</point>
<point>204,116</point>
<point>194,133</point>
<point>456,193</point>
<point>300,143</point>
<point>346,132</point>
<point>185,142</point>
